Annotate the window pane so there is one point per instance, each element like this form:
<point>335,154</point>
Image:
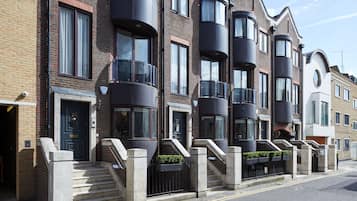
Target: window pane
<point>250,29</point>
<point>288,90</point>
<point>154,123</point>
<point>124,47</point>
<point>207,12</point>
<point>337,120</point>
<point>240,128</point>
<point>280,48</point>
<point>220,127</point>
<point>263,46</point>
<point>174,68</point>
<point>142,50</point>
<point>250,129</point>
<point>183,70</point>
<point>337,90</point>
<point>66,38</point>
<point>121,124</point>
<point>288,49</point>
<point>244,79</point>
<point>215,71</point>
<point>205,70</point>
<point>238,27</point>
<point>141,122</point>
<point>184,7</point>
<point>324,113</point>
<point>83,44</point>
<point>174,5</point>
<point>207,126</point>
<point>280,89</point>
<point>220,13</point>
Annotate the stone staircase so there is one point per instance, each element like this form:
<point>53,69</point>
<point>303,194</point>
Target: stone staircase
<point>93,183</point>
<point>213,181</point>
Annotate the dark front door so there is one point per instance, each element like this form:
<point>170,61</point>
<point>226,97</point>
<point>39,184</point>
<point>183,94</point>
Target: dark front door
<point>75,128</point>
<point>264,129</point>
<point>179,127</point>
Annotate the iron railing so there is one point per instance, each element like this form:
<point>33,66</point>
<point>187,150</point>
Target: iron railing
<point>134,71</point>
<point>243,96</point>
<point>262,169</point>
<point>212,88</point>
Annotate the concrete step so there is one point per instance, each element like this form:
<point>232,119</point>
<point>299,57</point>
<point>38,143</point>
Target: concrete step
<point>113,198</point>
<point>82,164</point>
<point>211,177</point>
<point>96,194</point>
<point>92,179</point>
<point>213,183</point>
<point>95,186</point>
<point>90,171</point>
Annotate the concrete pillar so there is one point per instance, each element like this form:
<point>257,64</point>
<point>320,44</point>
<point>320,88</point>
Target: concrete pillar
<point>136,175</point>
<point>198,171</point>
<point>322,166</point>
<point>60,176</point>
<point>353,150</point>
<point>234,167</point>
<point>291,165</point>
<point>306,159</point>
<point>332,158</point>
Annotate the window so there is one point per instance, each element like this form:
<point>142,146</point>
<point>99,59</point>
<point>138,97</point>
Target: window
<point>347,120</point>
<point>213,11</point>
<point>324,113</point>
<point>314,118</point>
<point>210,70</point>
<point>337,90</point>
<point>263,90</point>
<point>240,79</point>
<point>355,104</point>
<point>295,98</point>
<point>317,78</point>
<point>337,116</point>
<point>283,89</point>
<point>74,42</point>
<point>354,125</point>
<point>213,126</point>
<point>263,42</point>
<point>245,28</point>
<point>338,144</point>
<point>264,129</point>
<point>180,7</point>
<point>244,129</point>
<point>346,146</point>
<point>129,123</point>
<point>283,48</point>
<point>346,94</point>
<point>179,69</point>
<point>296,58</point>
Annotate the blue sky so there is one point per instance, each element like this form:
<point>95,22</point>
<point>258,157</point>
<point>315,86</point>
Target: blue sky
<point>330,25</point>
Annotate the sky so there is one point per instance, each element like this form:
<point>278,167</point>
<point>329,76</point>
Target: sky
<point>330,25</point>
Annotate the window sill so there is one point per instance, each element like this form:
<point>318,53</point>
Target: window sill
<point>74,77</point>
<point>180,95</point>
<point>178,14</point>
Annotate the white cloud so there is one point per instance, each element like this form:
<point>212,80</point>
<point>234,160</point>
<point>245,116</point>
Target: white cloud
<point>332,19</point>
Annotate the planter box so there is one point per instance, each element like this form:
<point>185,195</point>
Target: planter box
<point>286,157</point>
<point>276,158</point>
<point>170,167</point>
<point>251,161</point>
<point>263,159</point>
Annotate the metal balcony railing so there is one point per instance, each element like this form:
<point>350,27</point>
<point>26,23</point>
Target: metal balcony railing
<point>212,88</point>
<point>244,95</point>
<point>134,71</point>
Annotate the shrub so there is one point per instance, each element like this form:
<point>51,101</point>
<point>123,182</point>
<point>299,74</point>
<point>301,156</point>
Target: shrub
<point>275,153</point>
<point>170,159</point>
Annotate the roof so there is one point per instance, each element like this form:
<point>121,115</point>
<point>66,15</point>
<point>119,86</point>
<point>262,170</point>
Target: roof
<point>322,54</point>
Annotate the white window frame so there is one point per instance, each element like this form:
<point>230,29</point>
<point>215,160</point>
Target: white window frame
<point>296,57</point>
<point>339,118</point>
<point>349,144</point>
<point>354,104</point>
<point>338,147</point>
<point>354,123</point>
<point>349,94</point>
<point>263,41</point>
<point>339,92</point>
<point>349,119</point>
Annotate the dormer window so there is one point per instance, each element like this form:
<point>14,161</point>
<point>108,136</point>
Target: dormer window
<point>213,11</point>
<point>245,28</point>
<point>283,48</point>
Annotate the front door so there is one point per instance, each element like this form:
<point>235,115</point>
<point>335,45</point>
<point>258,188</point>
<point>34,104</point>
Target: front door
<point>179,127</point>
<point>75,128</point>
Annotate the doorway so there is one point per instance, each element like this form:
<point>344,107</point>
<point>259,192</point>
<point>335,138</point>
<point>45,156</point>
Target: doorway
<point>75,129</point>
<point>8,128</point>
<point>179,127</point>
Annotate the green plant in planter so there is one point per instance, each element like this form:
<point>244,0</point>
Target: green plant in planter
<point>275,153</point>
<point>250,155</point>
<point>286,152</point>
<point>264,153</point>
<point>170,159</point>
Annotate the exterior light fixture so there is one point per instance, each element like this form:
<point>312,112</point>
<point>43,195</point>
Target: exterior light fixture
<point>103,90</point>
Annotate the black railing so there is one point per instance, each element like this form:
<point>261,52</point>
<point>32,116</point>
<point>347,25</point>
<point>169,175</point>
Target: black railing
<point>263,168</point>
<point>164,180</point>
<point>134,71</point>
<point>212,88</point>
<point>244,95</point>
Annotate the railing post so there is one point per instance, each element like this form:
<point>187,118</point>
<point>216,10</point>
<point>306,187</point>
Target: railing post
<point>332,158</point>
<point>198,171</point>
<point>234,167</point>
<point>136,175</point>
<point>60,176</point>
<point>322,167</point>
<point>291,165</point>
<point>306,159</point>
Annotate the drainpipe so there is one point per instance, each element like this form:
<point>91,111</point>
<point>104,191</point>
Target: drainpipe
<point>49,69</point>
<point>162,61</point>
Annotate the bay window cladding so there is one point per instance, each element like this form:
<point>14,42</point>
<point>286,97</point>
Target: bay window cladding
<point>244,129</point>
<point>213,127</point>
<point>283,48</point>
<point>283,89</point>
<point>74,42</point>
<point>245,28</point>
<point>213,11</point>
<point>179,63</point>
<point>129,123</point>
<point>324,113</point>
<point>180,7</point>
<point>210,70</point>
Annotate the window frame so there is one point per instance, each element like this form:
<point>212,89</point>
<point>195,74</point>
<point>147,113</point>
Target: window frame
<point>215,125</point>
<point>344,119</point>
<point>323,121</point>
<point>338,144</point>
<point>296,57</point>
<point>211,61</point>
<point>339,90</point>
<point>295,98</point>
<point>285,97</point>
<point>263,44</point>
<point>344,144</point>
<point>354,104</point>
<point>178,69</point>
<point>214,12</point>
<point>286,42</point>
<point>245,28</point>
<point>178,10</point>
<point>263,104</point>
<point>339,118</point>
<point>76,11</point>
<point>349,94</point>
<point>354,123</point>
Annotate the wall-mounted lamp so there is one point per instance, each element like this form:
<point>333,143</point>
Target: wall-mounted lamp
<point>103,90</point>
<point>194,103</point>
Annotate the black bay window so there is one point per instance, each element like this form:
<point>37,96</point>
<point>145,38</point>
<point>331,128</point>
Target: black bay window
<point>74,42</point>
<point>244,129</point>
<point>213,127</point>
<point>283,48</point>
<point>210,70</point>
<point>283,89</point>
<point>245,28</point>
<point>213,11</point>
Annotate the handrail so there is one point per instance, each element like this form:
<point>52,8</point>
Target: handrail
<point>178,146</point>
<point>313,143</point>
<point>50,151</point>
<point>117,150</point>
<point>243,96</point>
<point>209,144</point>
<point>282,144</point>
<point>213,88</point>
<point>269,143</point>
